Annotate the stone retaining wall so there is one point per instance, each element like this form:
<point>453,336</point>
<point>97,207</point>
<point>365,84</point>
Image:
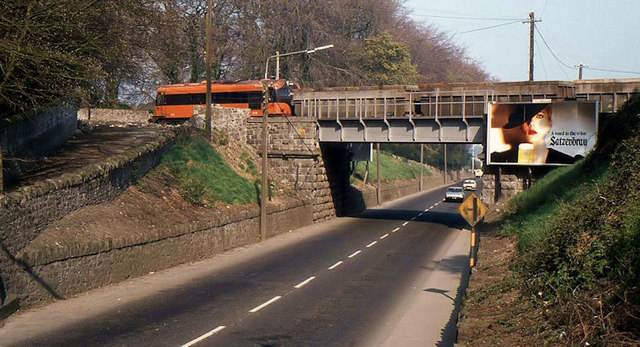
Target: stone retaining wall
<point>113,116</point>
<point>503,183</point>
<point>26,212</point>
<point>66,268</point>
<point>35,137</point>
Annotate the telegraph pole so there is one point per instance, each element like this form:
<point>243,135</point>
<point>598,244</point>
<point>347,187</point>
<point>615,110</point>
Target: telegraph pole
<point>265,149</point>
<point>580,66</point>
<point>421,163</point>
<point>1,176</point>
<point>532,20</point>
<point>445,163</point>
<point>207,116</point>
<point>378,191</point>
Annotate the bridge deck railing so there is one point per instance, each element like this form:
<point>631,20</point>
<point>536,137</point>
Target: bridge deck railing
<point>411,104</point>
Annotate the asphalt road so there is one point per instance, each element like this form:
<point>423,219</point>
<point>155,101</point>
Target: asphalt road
<point>334,284</point>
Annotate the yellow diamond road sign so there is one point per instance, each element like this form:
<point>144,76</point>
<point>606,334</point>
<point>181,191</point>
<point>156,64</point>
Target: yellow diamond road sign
<point>472,209</point>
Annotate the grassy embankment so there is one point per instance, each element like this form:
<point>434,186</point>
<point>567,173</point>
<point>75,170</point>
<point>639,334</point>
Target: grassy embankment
<point>392,168</point>
<point>204,177</point>
<point>578,232</point>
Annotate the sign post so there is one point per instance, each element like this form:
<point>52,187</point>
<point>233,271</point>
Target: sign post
<point>472,210</point>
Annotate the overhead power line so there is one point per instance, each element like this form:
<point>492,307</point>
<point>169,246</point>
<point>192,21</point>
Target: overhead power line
<point>464,18</point>
<point>490,27</point>
<point>583,66</point>
<point>551,51</point>
<point>617,71</point>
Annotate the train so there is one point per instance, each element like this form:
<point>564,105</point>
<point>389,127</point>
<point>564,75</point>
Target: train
<point>178,101</point>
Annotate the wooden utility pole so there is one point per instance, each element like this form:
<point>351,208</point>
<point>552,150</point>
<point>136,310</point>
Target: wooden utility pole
<point>1,175</point>
<point>531,22</point>
<point>445,164</point>
<point>421,163</point>
<point>580,66</point>
<point>209,58</point>
<point>265,149</point>
<point>378,190</point>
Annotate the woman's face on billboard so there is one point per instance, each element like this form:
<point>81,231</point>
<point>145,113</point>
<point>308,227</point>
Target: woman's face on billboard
<point>539,126</point>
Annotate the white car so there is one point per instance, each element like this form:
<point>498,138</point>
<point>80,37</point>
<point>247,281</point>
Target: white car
<point>454,194</point>
<point>469,185</point>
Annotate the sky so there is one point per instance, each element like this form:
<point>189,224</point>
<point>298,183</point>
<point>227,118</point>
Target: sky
<point>600,34</point>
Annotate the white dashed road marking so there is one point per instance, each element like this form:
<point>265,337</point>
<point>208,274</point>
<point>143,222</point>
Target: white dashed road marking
<point>258,308</point>
<point>335,265</point>
<point>372,243</point>
<point>212,332</point>
<point>383,236</point>
<point>396,229</point>
<point>355,253</point>
<point>405,224</point>
<point>305,282</point>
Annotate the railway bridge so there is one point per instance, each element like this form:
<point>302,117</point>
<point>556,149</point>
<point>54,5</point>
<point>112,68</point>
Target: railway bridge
<point>446,113</point>
<point>439,113</point>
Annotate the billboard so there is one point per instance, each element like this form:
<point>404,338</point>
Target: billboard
<point>541,133</point>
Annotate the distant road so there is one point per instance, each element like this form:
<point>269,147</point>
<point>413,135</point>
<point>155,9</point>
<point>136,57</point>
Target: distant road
<point>344,282</point>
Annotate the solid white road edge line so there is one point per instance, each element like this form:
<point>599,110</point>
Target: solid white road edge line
<point>335,265</point>
<point>212,332</point>
<point>258,308</point>
<point>372,243</point>
<point>305,282</point>
<point>355,253</point>
<point>383,236</point>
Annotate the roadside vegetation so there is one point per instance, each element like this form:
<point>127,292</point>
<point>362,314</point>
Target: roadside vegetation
<point>392,168</point>
<point>578,235</point>
<point>458,155</point>
<point>204,177</point>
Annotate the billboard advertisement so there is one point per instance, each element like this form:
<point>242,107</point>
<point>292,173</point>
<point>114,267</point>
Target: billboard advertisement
<point>541,133</point>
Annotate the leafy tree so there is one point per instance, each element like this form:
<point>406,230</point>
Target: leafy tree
<point>387,62</point>
<point>51,49</point>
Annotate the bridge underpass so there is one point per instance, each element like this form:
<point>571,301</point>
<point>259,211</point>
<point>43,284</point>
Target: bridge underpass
<point>446,113</point>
